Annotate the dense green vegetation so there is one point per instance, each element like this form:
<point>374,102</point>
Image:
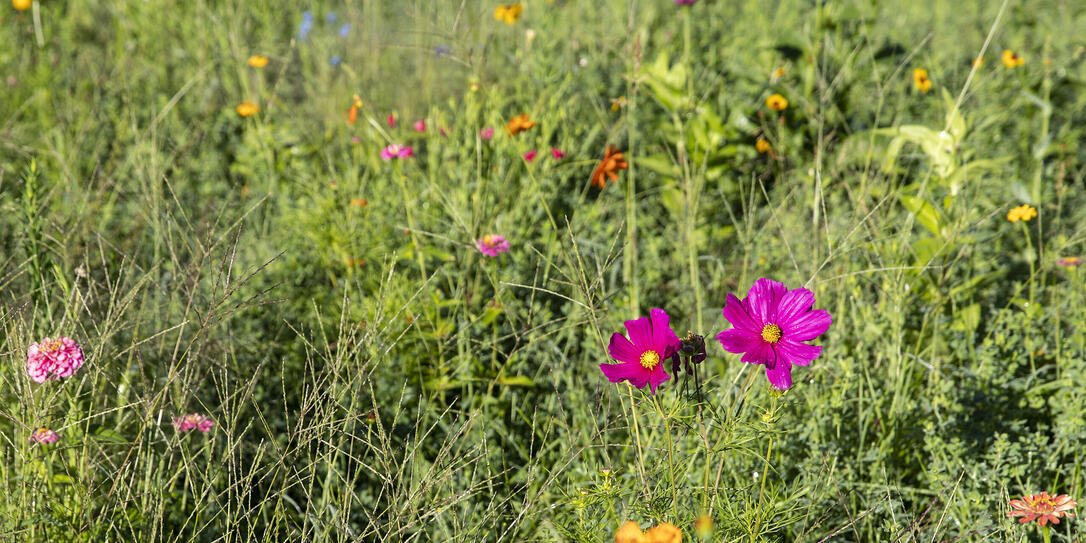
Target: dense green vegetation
<point>374,377</point>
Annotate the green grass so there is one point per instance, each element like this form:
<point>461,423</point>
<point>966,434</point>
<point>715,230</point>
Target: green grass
<point>374,378</point>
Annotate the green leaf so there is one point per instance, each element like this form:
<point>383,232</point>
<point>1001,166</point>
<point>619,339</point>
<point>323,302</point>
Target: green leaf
<point>925,213</point>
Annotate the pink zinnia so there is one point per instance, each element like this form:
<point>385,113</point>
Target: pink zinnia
<point>392,121</point>
<point>420,125</point>
<point>530,155</point>
<point>195,421</point>
<point>557,153</point>
<point>770,326</point>
<point>642,355</point>
<point>43,436</point>
<point>396,151</point>
<point>1042,508</point>
<point>487,133</point>
<point>53,359</point>
<point>492,244</point>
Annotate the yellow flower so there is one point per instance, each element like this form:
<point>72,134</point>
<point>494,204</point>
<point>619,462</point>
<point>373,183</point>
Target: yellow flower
<point>776,102</point>
<point>22,5</point>
<point>618,103</point>
<point>704,526</point>
<point>258,61</point>
<point>978,62</point>
<point>762,146</point>
<point>508,14</point>
<point>360,202</point>
<point>247,108</point>
<point>921,81</point>
<point>1012,60</point>
<point>1024,212</point>
<point>776,75</point>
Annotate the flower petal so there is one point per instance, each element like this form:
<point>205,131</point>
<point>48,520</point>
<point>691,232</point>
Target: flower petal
<point>796,353</point>
<point>761,353</point>
<point>735,310</point>
<point>738,341</point>
<point>793,303</point>
<point>780,376</point>
<point>657,376</point>
<point>664,339</point>
<point>763,297</point>
<point>633,372</point>
<point>622,350</point>
<point>640,331</point>
<point>807,326</point>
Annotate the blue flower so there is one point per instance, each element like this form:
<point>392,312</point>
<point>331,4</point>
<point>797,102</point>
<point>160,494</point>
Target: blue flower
<point>305,26</point>
<point>442,50</point>
<point>335,60</point>
<point>345,30</point>
<point>331,17</point>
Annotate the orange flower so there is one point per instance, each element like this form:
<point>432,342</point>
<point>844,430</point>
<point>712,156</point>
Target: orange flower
<point>665,532</point>
<point>247,108</point>
<point>1012,60</point>
<point>22,5</point>
<point>776,102</point>
<point>360,202</point>
<point>1042,508</point>
<point>762,146</point>
<point>258,61</point>
<point>352,114</point>
<point>629,532</point>
<point>518,124</point>
<point>612,162</point>
<point>921,80</point>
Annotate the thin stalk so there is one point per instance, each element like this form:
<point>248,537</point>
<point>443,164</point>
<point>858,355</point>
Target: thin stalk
<point>670,460</point>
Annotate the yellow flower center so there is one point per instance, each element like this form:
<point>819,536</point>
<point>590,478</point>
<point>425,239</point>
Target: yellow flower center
<point>488,239</point>
<point>771,333</point>
<point>51,346</point>
<point>1042,504</point>
<point>649,359</point>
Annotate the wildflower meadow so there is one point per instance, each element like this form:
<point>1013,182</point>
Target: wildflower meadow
<point>642,271</point>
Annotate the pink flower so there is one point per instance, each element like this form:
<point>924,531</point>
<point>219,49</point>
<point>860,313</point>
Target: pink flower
<point>1042,508</point>
<point>487,133</point>
<point>43,436</point>
<point>443,132</point>
<point>492,244</point>
<point>642,355</point>
<point>396,151</point>
<point>686,2</point>
<point>1070,262</point>
<point>195,421</point>
<point>391,121</point>
<point>53,359</point>
<point>557,153</point>
<point>770,327</point>
<point>420,125</point>
<point>530,155</point>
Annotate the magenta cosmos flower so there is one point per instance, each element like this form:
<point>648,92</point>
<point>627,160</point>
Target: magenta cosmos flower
<point>43,436</point>
<point>396,151</point>
<point>195,421</point>
<point>770,327</point>
<point>53,359</point>
<point>686,2</point>
<point>492,244</point>
<point>651,342</point>
<point>557,153</point>
<point>530,155</point>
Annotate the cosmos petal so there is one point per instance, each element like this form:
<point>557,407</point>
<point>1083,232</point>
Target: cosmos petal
<point>738,341</point>
<point>633,372</point>
<point>735,310</point>
<point>763,297</point>
<point>793,303</point>
<point>761,353</point>
<point>807,326</point>
<point>780,376</point>
<point>657,377</point>
<point>640,331</point>
<point>622,350</point>
<point>799,354</point>
<point>664,339</point>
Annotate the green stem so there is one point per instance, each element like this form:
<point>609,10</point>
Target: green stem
<point>670,460</point>
<point>410,221</point>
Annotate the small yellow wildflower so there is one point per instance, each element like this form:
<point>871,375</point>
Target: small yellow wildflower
<point>359,202</point>
<point>921,80</point>
<point>776,102</point>
<point>763,146</point>
<point>22,5</point>
<point>508,14</point>
<point>618,103</point>
<point>258,61</point>
<point>1024,212</point>
<point>1011,59</point>
<point>978,62</point>
<point>776,75</point>
<point>247,108</point>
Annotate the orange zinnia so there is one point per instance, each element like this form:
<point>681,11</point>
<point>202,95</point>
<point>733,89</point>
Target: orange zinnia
<point>612,162</point>
<point>247,108</point>
<point>352,114</point>
<point>519,124</point>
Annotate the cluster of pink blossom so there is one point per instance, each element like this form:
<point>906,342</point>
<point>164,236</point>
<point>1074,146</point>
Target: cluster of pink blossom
<point>194,421</point>
<point>44,436</point>
<point>53,359</point>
